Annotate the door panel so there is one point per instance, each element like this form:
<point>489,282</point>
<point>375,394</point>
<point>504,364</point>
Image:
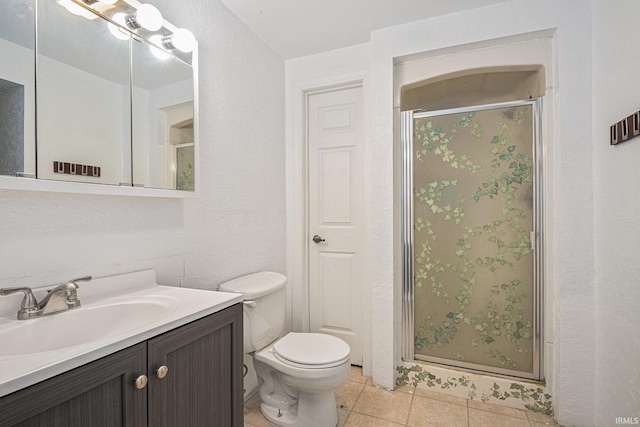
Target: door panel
<point>336,186</point>
<point>335,138</point>
<point>475,257</point>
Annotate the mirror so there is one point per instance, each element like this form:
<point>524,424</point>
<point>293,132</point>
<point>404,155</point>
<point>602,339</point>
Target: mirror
<point>82,98</point>
<point>115,101</point>
<point>163,134</point>
<point>17,88</point>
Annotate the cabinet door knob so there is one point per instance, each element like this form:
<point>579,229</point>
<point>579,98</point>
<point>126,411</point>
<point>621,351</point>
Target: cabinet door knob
<point>141,382</point>
<point>162,371</point>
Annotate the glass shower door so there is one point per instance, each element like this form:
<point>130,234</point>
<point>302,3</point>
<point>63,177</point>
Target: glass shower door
<point>471,218</point>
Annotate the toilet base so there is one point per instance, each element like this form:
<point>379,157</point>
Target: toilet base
<point>317,409</point>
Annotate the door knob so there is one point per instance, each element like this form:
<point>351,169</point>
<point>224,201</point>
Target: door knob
<point>318,239</point>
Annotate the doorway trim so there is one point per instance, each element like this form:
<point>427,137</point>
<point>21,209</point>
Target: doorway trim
<point>298,202</point>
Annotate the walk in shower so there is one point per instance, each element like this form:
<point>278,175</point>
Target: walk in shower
<point>472,213</point>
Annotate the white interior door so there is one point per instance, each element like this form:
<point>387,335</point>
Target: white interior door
<point>335,138</point>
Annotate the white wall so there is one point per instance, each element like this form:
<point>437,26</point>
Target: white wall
<point>237,226</point>
<point>68,131</point>
<point>616,34</point>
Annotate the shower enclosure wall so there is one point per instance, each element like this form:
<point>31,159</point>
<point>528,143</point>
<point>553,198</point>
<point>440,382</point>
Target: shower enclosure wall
<point>472,240</point>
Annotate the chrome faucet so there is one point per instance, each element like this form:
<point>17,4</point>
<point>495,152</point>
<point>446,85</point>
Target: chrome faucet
<point>61,298</point>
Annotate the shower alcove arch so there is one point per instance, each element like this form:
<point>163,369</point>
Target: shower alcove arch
<point>455,103</point>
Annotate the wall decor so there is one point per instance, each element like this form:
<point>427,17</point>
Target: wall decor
<point>625,129</point>
<point>76,169</point>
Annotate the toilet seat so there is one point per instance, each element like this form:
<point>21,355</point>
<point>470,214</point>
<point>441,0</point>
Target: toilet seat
<point>311,350</point>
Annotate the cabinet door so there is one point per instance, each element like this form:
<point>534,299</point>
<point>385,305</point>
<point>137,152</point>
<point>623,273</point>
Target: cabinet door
<point>99,394</point>
<point>203,384</point>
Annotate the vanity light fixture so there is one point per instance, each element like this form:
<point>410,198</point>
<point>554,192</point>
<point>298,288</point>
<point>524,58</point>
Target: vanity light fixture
<point>107,2</point>
<point>182,39</point>
<point>146,16</point>
<point>75,9</point>
<point>116,31</point>
<point>156,51</point>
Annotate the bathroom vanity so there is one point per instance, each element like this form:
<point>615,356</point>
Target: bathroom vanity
<point>180,366</point>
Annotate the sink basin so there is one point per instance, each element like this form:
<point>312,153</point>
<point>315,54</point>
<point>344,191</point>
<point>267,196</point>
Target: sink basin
<point>80,326</point>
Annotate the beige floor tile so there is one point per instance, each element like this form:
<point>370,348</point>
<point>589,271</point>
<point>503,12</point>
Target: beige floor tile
<point>441,396</point>
<point>537,424</point>
<point>255,418</point>
<point>382,403</point>
<point>355,374</point>
<point>478,418</point>
<point>347,395</point>
<point>252,403</point>
<point>427,412</point>
<point>405,389</point>
<point>362,420</point>
<point>541,418</point>
<point>343,414</point>
<point>498,409</point>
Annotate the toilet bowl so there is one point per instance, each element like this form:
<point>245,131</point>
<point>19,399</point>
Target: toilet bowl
<point>298,373</point>
<point>297,386</point>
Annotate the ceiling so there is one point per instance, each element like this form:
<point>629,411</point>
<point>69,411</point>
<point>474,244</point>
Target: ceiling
<point>295,28</point>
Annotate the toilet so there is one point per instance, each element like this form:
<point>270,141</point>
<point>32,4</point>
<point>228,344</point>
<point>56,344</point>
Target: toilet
<point>298,373</point>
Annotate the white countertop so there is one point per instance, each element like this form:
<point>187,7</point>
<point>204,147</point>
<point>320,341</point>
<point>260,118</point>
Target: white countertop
<point>18,371</point>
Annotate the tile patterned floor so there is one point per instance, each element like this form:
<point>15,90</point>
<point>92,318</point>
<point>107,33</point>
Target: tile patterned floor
<point>361,404</point>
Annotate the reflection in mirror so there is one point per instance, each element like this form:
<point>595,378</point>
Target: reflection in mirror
<point>83,116</point>
<point>163,119</point>
<point>17,88</point>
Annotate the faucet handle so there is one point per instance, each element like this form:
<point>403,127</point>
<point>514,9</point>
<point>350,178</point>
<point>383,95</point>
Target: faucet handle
<point>80,279</point>
<point>28,302</point>
<point>71,286</point>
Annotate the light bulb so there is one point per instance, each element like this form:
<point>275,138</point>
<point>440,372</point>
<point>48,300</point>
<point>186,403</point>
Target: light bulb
<point>183,40</point>
<point>116,31</point>
<point>157,52</point>
<point>149,17</point>
<point>75,8</point>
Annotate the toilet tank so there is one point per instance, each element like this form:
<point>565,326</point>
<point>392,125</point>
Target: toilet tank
<point>265,299</point>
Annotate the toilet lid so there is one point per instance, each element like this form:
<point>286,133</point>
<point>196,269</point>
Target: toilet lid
<point>311,348</point>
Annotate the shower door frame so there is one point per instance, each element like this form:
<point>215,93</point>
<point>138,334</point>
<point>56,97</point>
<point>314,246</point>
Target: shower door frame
<point>406,198</point>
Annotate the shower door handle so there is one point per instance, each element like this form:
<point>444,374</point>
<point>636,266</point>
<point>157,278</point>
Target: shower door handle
<point>317,239</point>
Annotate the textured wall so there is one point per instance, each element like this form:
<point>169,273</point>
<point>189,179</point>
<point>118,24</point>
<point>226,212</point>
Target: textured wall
<point>617,186</point>
<point>237,225</point>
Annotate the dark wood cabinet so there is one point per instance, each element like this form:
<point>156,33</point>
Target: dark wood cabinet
<point>202,385</point>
